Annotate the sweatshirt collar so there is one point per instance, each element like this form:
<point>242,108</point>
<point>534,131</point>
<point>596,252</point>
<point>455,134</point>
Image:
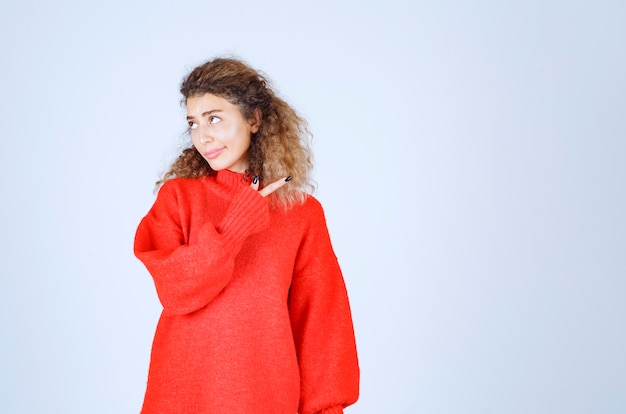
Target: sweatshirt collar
<point>231,179</point>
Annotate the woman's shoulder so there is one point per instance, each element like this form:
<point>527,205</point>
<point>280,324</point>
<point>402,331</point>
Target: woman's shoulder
<point>311,202</point>
<point>309,207</point>
<point>183,183</point>
<point>181,190</point>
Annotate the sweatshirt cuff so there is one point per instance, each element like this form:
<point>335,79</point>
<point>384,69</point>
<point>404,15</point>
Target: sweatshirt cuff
<point>248,214</point>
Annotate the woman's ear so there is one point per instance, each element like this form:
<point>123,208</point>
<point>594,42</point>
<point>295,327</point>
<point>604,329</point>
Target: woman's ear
<point>255,120</point>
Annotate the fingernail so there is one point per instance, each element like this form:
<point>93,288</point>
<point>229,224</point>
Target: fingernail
<point>255,179</point>
<point>288,178</point>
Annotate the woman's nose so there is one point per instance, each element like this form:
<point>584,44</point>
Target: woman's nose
<point>205,135</point>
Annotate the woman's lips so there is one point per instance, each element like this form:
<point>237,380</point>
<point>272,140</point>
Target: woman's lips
<point>213,153</point>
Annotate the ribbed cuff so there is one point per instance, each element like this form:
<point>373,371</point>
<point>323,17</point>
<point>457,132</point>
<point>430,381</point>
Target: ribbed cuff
<point>248,214</point>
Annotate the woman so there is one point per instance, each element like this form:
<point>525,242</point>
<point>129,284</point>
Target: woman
<point>255,315</point>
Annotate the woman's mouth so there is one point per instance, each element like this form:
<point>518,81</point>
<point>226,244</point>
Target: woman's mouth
<point>213,153</point>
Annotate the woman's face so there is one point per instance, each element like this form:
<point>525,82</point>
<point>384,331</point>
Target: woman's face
<point>220,132</point>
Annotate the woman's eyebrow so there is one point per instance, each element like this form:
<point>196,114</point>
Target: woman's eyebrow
<point>212,111</point>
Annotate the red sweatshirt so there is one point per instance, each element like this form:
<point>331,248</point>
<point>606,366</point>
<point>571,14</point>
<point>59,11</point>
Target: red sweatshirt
<point>255,316</point>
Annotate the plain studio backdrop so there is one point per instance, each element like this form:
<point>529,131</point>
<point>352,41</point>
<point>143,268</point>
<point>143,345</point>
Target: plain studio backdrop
<point>470,156</point>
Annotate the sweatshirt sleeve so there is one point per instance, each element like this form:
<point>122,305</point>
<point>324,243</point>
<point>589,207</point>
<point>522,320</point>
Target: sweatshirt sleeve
<point>322,324</point>
<point>187,276</point>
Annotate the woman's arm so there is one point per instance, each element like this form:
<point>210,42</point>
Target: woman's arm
<point>187,276</point>
<point>322,324</point>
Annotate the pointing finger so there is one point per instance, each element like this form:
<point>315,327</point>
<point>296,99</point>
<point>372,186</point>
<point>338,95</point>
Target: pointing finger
<point>269,189</point>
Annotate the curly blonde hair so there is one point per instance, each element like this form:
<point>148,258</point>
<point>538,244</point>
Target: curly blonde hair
<point>281,146</point>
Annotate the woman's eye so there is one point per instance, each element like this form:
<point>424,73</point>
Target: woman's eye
<point>214,120</point>
<point>193,125</point>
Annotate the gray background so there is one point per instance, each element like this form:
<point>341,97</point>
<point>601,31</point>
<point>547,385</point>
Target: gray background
<point>469,155</point>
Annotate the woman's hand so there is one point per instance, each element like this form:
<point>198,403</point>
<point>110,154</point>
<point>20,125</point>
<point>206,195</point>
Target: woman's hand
<point>270,188</point>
